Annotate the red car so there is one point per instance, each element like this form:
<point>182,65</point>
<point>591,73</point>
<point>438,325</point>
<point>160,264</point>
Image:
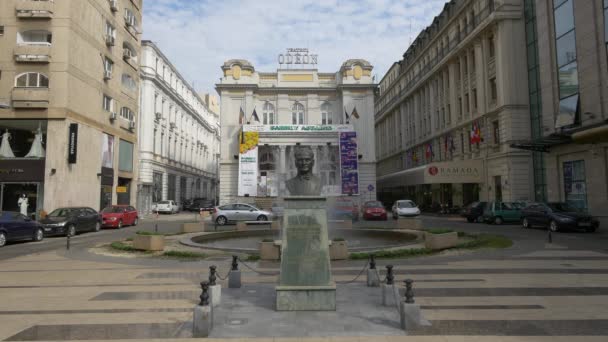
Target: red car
<point>374,210</point>
<point>117,216</point>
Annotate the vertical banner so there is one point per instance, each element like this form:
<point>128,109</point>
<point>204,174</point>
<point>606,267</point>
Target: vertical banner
<point>248,163</point>
<point>349,167</point>
<point>73,143</point>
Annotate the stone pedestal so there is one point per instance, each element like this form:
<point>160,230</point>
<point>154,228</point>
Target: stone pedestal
<point>372,278</point>
<point>241,226</point>
<point>409,315</point>
<point>440,241</point>
<point>215,295</point>
<point>388,295</point>
<point>202,322</point>
<point>305,282</point>
<point>192,227</point>
<point>269,251</point>
<point>149,242</point>
<point>234,280</point>
<point>338,250</point>
<point>276,225</point>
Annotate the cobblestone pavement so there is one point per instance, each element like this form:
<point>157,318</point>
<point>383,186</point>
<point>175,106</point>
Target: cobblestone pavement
<point>533,291</point>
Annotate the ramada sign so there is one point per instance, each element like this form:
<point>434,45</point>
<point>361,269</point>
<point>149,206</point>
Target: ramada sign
<point>453,171</point>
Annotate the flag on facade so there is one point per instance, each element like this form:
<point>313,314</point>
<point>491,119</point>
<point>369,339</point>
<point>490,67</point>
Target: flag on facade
<point>241,116</point>
<point>346,114</point>
<point>452,146</point>
<point>429,151</point>
<point>255,115</point>
<point>354,113</point>
<point>414,156</point>
<point>242,140</point>
<point>475,137</point>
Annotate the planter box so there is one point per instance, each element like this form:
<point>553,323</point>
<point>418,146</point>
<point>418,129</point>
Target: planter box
<point>269,251</point>
<point>149,242</point>
<point>241,226</point>
<point>409,223</point>
<point>440,241</point>
<point>192,227</point>
<point>204,214</point>
<point>338,250</point>
<point>275,225</point>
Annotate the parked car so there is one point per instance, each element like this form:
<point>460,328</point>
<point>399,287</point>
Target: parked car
<point>167,207</point>
<point>474,211</point>
<point>405,208</point>
<point>199,204</point>
<point>117,216</point>
<point>15,226</point>
<point>557,216</point>
<point>239,212</point>
<point>71,221</point>
<point>373,210</point>
<point>344,209</point>
<point>499,212</point>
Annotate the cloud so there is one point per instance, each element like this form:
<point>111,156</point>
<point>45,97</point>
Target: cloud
<point>199,35</point>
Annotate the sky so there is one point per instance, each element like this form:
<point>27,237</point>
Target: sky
<point>199,35</point>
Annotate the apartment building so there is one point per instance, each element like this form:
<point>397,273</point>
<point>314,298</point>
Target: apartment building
<point>568,91</point>
<point>178,135</point>
<point>446,114</point>
<point>69,89</point>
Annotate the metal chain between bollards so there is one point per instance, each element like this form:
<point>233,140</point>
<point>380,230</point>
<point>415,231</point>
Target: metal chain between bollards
<point>358,275</point>
<point>254,270</point>
<point>222,278</point>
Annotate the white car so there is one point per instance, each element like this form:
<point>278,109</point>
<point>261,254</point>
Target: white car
<point>167,207</point>
<point>405,208</point>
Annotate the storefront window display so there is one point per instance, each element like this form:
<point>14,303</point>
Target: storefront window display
<point>575,188</point>
<point>22,139</point>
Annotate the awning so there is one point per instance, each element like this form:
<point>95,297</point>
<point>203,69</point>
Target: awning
<point>543,144</point>
<point>452,172</point>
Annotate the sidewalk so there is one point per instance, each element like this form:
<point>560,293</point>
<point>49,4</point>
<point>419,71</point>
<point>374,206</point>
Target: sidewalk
<point>52,296</point>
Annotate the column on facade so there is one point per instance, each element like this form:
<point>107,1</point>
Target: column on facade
<point>165,189</point>
<point>453,93</point>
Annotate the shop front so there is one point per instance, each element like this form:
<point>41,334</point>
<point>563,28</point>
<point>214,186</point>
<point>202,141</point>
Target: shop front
<point>22,165</point>
<point>436,186</point>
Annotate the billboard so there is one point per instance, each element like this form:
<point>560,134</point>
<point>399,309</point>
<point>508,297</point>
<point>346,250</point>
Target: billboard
<point>349,168</point>
<point>248,163</point>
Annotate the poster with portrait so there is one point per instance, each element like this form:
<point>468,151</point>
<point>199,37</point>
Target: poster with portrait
<point>248,163</point>
<point>107,151</point>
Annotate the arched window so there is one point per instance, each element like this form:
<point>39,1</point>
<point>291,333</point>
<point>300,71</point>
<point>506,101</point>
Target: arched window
<point>128,82</point>
<point>297,114</point>
<point>32,80</point>
<point>268,114</point>
<point>34,37</point>
<point>326,114</point>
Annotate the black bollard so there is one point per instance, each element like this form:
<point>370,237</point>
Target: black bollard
<point>235,263</point>
<point>549,237</point>
<point>205,294</point>
<point>156,228</point>
<point>389,275</point>
<point>372,262</point>
<point>67,244</point>
<point>409,292</point>
<point>212,275</point>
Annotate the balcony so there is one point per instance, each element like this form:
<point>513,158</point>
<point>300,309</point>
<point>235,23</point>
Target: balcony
<point>34,9</point>
<point>33,53</point>
<point>36,98</point>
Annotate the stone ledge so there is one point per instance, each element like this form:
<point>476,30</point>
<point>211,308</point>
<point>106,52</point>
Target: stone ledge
<point>306,298</point>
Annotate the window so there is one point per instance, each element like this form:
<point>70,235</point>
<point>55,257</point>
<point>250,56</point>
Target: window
<point>326,114</point>
<point>32,80</point>
<point>567,67</point>
<point>491,46</point>
<point>39,37</point>
<point>108,65</point>
<point>605,24</point>
<point>268,114</point>
<point>575,189</point>
<point>475,99</point>
<point>130,19</point>
<point>108,103</point>
<point>496,131</point>
<point>125,156</point>
<point>128,82</point>
<point>154,140</point>
<point>1,30</point>
<point>110,30</point>
<point>493,90</point>
<point>127,114</point>
<point>128,51</point>
<point>297,114</point>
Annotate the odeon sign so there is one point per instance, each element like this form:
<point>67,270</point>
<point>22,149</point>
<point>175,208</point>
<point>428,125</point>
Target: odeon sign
<point>298,56</point>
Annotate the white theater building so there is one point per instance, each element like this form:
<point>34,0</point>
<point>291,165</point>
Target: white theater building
<point>296,105</point>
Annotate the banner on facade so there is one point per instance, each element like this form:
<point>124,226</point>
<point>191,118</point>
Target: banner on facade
<point>73,143</point>
<point>297,128</point>
<point>248,163</point>
<point>349,167</point>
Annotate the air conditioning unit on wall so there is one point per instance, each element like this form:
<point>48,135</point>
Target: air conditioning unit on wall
<point>114,5</point>
<point>113,116</point>
<point>131,125</point>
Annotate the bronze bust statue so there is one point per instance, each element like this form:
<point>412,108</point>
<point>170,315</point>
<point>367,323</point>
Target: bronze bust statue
<point>304,183</point>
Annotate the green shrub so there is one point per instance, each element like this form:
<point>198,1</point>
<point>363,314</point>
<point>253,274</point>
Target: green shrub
<point>143,232</point>
<point>389,254</point>
<point>118,245</point>
<point>252,257</point>
<point>185,255</point>
<point>338,239</point>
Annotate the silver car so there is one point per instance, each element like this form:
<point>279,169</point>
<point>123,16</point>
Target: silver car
<point>239,212</point>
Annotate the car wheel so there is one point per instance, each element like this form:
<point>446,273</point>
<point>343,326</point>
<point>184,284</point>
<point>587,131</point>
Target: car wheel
<point>525,223</point>
<point>71,231</point>
<point>553,226</point>
<point>470,219</point>
<point>498,220</point>
<point>38,235</point>
<point>221,220</point>
<point>262,218</point>
<point>590,230</point>
<point>119,224</point>
<point>2,239</point>
<point>136,221</point>
<point>97,226</point>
